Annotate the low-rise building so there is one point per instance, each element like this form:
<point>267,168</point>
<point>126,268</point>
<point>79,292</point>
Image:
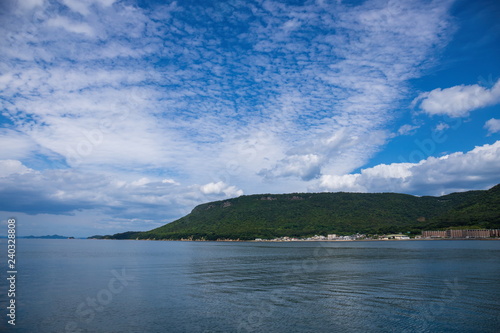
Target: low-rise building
<point>462,233</point>
<point>397,236</point>
<point>434,234</point>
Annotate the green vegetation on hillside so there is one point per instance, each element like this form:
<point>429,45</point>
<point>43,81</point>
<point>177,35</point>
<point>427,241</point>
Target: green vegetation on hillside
<point>481,212</point>
<point>306,214</point>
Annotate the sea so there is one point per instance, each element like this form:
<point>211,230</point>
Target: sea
<point>173,286</point>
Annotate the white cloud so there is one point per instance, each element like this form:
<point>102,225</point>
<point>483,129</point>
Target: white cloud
<point>170,181</point>
<point>82,6</point>
<point>30,4</point>
<point>79,6</point>
<point>408,129</point>
<point>141,182</point>
<point>10,167</point>
<point>442,126</point>
<point>75,27</point>
<point>15,145</point>
<point>458,101</point>
<point>476,169</point>
<point>306,167</point>
<point>219,188</point>
<point>345,183</point>
<point>492,125</point>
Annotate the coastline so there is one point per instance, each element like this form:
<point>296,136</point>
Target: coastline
<point>302,241</point>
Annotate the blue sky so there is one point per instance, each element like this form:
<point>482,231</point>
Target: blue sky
<point>124,115</point>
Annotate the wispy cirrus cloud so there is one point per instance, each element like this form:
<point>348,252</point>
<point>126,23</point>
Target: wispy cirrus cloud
<point>407,129</point>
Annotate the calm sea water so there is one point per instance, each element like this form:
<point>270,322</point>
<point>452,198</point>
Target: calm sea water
<point>141,286</point>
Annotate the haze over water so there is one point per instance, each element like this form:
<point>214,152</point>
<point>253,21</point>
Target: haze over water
<point>141,286</point>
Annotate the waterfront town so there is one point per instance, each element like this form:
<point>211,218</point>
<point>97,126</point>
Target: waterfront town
<point>438,234</point>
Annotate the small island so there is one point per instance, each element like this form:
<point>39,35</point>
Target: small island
<point>47,237</point>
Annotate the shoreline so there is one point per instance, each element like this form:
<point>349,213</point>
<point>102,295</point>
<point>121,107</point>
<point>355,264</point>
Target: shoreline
<point>301,241</point>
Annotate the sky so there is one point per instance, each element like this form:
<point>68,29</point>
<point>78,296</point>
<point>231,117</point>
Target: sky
<point>125,115</point>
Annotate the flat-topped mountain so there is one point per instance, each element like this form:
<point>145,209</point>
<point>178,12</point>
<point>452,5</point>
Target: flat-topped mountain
<point>306,214</point>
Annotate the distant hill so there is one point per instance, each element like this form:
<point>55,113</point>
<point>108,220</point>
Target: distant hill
<point>306,214</point>
<point>45,237</point>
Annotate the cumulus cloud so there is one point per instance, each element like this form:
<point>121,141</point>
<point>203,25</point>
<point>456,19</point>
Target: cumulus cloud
<point>170,181</point>
<point>458,101</point>
<point>221,188</point>
<point>476,169</point>
<point>10,167</point>
<point>306,167</point>
<point>492,125</point>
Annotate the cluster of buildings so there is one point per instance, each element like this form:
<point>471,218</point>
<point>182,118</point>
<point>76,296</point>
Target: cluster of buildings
<point>346,238</point>
<point>331,237</point>
<point>465,233</point>
<point>438,234</point>
<point>394,237</point>
<point>292,239</point>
